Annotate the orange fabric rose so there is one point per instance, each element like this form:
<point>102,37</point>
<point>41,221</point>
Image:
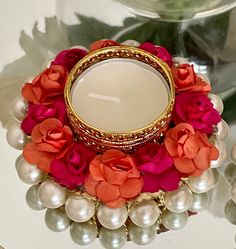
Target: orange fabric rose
<point>46,86</point>
<point>186,80</point>
<point>102,44</point>
<point>50,140</point>
<point>114,178</point>
<point>190,150</point>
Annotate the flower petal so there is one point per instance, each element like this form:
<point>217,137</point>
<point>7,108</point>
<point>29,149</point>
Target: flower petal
<point>117,203</point>
<point>114,176</point>
<point>90,185</point>
<point>201,160</point>
<point>171,146</point>
<point>169,180</point>
<point>107,192</point>
<point>30,153</point>
<point>95,169</point>
<point>191,147</point>
<point>151,183</point>
<point>45,161</point>
<point>111,154</point>
<point>131,187</point>
<point>184,165</point>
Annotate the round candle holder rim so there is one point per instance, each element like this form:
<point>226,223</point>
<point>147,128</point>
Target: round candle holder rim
<point>115,49</point>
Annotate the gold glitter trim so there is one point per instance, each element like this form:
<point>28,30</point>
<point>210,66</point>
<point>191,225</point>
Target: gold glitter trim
<point>101,140</point>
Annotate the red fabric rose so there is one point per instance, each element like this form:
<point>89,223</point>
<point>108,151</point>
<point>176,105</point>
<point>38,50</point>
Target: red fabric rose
<point>68,58</point>
<point>160,52</point>
<point>71,170</point>
<point>195,109</point>
<point>157,168</point>
<point>50,140</point>
<point>187,81</point>
<point>102,44</point>
<point>38,113</point>
<point>190,149</point>
<point>114,178</point>
<point>46,86</point>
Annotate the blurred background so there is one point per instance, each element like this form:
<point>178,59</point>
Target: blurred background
<point>33,32</point>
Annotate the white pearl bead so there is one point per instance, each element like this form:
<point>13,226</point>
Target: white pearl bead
<point>204,182</point>
<point>112,218</point>
<point>222,130</point>
<point>28,173</point>
<point>32,198</point>
<point>217,102</point>
<point>83,233</point>
<point>79,209</point>
<point>230,211</point>
<point>204,77</point>
<point>142,236</point>
<point>80,47</point>
<point>174,221</point>
<point>131,43</point>
<point>145,213</point>
<point>57,220</point>
<point>112,239</point>
<point>18,108</point>
<point>200,202</point>
<point>230,173</point>
<point>51,194</point>
<point>179,200</point>
<point>180,60</point>
<point>16,138</point>
<point>233,192</point>
<point>233,153</point>
<point>221,146</point>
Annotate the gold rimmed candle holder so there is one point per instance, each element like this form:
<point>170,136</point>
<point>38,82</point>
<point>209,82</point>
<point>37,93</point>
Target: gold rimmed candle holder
<point>101,140</point>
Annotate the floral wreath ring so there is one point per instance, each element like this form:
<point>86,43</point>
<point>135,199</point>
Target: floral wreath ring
<point>117,193</point>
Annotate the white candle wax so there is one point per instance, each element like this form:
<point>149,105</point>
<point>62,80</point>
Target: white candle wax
<point>120,95</point>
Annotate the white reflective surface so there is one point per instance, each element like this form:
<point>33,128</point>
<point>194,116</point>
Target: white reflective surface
<point>23,228</point>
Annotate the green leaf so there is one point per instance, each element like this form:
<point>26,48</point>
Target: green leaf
<point>90,29</point>
<point>229,114</point>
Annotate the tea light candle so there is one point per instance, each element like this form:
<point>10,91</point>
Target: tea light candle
<point>120,95</point>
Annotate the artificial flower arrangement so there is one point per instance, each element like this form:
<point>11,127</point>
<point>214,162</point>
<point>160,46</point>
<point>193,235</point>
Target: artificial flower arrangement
<point>90,187</point>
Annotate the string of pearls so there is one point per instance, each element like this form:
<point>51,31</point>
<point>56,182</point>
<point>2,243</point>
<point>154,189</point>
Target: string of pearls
<point>138,221</point>
<point>230,176</point>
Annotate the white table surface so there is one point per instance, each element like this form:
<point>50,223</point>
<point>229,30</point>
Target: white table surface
<point>23,228</point>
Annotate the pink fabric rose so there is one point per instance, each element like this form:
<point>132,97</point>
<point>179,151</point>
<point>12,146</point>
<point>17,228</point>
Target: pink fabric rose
<point>158,51</point>
<point>196,109</point>
<point>38,113</point>
<point>68,58</point>
<point>72,169</point>
<point>157,168</point>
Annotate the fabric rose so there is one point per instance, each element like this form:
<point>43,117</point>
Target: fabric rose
<point>157,168</point>
<point>71,170</point>
<point>190,149</point>
<point>114,178</point>
<point>38,113</point>
<point>50,140</point>
<point>68,58</point>
<point>196,109</point>
<point>46,86</point>
<point>158,51</point>
<point>102,44</point>
<point>187,81</point>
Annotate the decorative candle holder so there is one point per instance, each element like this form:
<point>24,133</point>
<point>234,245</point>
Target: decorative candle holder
<point>115,177</point>
<point>126,140</point>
